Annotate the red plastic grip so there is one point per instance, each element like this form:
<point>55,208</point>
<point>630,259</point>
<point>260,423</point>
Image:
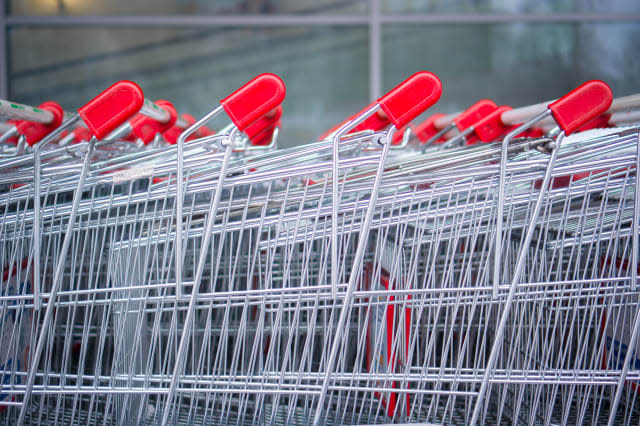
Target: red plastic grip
<point>172,134</point>
<point>143,128</point>
<point>331,130</point>
<point>263,122</point>
<point>264,138</point>
<point>146,128</point>
<point>201,132</point>
<point>475,113</point>
<point>253,100</point>
<point>600,122</point>
<point>173,114</point>
<point>376,122</point>
<point>399,135</point>
<point>34,132</point>
<point>337,126</point>
<point>411,98</point>
<point>112,107</point>
<point>491,127</point>
<point>189,119</point>
<point>581,105</point>
<point>82,134</point>
<point>533,133</point>
<point>427,129</point>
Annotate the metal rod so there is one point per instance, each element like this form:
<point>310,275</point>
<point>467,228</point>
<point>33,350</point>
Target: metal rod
<point>497,253</point>
<point>353,277</point>
<point>297,20</point>
<point>635,261</point>
<point>55,285</point>
<point>204,250</point>
<point>335,203</point>
<point>522,256</point>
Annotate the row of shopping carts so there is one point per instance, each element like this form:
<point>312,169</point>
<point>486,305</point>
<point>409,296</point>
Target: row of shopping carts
<point>472,268</point>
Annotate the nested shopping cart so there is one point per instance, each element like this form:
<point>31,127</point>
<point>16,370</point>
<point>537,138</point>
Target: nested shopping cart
<point>363,278</point>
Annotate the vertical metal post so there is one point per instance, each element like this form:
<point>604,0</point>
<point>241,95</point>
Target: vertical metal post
<point>635,259</point>
<point>375,52</point>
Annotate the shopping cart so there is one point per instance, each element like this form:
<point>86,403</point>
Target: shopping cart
<point>349,280</point>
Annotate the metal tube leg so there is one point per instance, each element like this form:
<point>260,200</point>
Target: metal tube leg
<point>634,283</point>
<point>346,306</point>
<point>493,356</point>
<point>497,252</point>
<point>497,258</point>
<point>37,303</point>
<point>334,221</point>
<point>55,286</point>
<point>204,248</point>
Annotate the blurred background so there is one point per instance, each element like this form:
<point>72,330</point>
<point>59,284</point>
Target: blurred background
<point>335,56</point>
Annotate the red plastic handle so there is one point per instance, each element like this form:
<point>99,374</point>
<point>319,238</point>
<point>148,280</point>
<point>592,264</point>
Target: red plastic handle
<point>172,134</point>
<point>264,138</point>
<point>203,131</point>
<point>82,134</point>
<point>173,114</point>
<point>376,122</point>
<point>264,122</point>
<point>427,129</point>
<point>189,119</point>
<point>146,128</point>
<point>337,126</point>
<point>491,127</point>
<point>411,98</point>
<point>475,113</point>
<point>112,107</point>
<point>399,135</point>
<point>600,122</point>
<point>533,133</point>
<point>581,105</point>
<point>253,100</point>
<point>34,132</point>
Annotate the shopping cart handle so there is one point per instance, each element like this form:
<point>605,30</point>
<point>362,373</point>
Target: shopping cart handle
<point>146,128</point>
<point>264,138</point>
<point>189,119</point>
<point>491,127</point>
<point>533,132</point>
<point>82,134</point>
<point>112,107</point>
<point>377,121</point>
<point>398,136</point>
<point>581,105</point>
<point>411,98</point>
<point>172,134</point>
<point>475,113</point>
<point>600,122</point>
<point>427,129</point>
<point>253,100</point>
<point>34,132</point>
<point>263,122</point>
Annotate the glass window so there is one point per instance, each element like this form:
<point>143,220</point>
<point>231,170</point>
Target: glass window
<point>509,6</point>
<point>167,7</point>
<point>513,64</point>
<point>325,68</point>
